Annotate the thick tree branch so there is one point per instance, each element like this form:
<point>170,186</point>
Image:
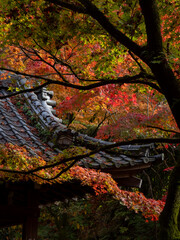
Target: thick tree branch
<point>152,22</point>
<point>121,80</point>
<point>96,14</point>
<point>75,8</point>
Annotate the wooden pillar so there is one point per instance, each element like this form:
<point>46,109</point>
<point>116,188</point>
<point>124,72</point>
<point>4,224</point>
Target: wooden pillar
<point>30,224</point>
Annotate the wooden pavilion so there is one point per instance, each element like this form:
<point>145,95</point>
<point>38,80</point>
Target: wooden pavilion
<point>20,201</point>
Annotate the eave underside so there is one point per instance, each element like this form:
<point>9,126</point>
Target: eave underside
<point>19,200</point>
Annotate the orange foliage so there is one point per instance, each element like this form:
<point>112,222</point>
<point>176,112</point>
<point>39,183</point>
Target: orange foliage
<point>16,158</point>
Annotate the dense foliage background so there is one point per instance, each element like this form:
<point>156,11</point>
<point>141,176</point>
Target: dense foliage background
<point>114,68</point>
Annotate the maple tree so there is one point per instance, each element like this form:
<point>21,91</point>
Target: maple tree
<point>86,45</point>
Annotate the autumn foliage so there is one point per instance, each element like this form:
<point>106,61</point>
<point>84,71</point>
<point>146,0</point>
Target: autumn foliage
<point>117,87</point>
<point>15,158</point>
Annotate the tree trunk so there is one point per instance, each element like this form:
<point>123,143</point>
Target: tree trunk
<point>170,217</point>
<point>169,84</point>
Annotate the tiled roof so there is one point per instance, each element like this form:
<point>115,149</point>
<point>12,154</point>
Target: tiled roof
<point>16,129</point>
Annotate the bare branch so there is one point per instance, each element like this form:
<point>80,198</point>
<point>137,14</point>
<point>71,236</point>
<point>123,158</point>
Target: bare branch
<point>59,174</point>
<point>135,59</point>
<point>162,129</point>
<point>40,59</point>
<point>96,14</point>
<point>62,62</point>
<point>24,50</point>
<point>75,8</point>
<point>56,61</point>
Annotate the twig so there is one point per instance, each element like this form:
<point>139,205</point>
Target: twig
<point>162,129</point>
<point>135,59</point>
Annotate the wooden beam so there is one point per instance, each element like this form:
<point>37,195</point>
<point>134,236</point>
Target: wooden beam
<point>126,171</point>
<point>8,211</point>
<point>130,182</point>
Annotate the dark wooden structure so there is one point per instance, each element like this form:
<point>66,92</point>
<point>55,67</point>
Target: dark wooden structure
<point>20,202</point>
